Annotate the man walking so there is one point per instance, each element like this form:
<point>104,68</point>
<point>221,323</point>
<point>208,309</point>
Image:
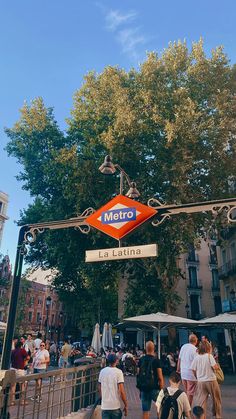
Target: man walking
<point>111,389</point>
<point>149,379</point>
<point>65,354</point>
<point>187,354</point>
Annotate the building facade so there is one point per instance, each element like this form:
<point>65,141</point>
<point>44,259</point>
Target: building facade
<point>227,270</point>
<point>3,212</point>
<point>199,285</point>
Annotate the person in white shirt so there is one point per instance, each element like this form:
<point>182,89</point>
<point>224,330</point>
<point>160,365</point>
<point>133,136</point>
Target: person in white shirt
<point>41,360</point>
<point>184,408</point>
<point>186,357</point>
<point>111,389</point>
<point>203,367</point>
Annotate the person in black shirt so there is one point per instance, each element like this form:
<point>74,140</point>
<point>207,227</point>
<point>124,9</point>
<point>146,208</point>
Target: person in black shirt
<point>158,381</point>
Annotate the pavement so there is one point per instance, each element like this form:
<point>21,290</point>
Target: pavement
<point>228,391</point>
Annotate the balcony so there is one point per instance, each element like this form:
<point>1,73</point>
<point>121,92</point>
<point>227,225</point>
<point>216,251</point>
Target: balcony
<point>195,285</point>
<point>227,269</point>
<point>228,305</point>
<point>192,258</point>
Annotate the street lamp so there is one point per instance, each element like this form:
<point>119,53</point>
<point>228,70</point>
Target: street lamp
<point>59,327</point>
<point>48,304</point>
<point>108,168</point>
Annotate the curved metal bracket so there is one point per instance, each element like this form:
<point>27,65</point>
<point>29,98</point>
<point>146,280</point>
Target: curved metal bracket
<point>78,222</point>
<point>216,207</point>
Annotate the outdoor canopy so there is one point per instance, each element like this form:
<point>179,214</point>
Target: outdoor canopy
<point>158,321</point>
<point>226,321</point>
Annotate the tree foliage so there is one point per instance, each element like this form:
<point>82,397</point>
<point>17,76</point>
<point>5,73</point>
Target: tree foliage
<point>170,125</point>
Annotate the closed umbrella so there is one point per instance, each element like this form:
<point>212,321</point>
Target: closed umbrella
<point>96,341</point>
<point>105,336</point>
<point>110,340</point>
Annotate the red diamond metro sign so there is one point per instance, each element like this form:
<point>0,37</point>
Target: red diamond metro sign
<point>120,216</point>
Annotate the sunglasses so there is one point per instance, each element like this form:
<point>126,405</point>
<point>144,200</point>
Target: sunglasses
<point>42,345</point>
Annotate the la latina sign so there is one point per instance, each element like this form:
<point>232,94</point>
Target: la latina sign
<point>118,253</point>
<point>117,218</point>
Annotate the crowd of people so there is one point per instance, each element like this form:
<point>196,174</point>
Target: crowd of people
<point>194,365</point>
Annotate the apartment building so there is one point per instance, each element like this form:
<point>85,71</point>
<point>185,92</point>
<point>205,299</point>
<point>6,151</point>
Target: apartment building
<point>227,269</point>
<point>199,286</point>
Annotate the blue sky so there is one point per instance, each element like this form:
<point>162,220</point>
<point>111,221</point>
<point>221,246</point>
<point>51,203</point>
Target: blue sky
<point>48,46</point>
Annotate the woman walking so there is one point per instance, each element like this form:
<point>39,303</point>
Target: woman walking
<point>203,367</point>
<point>41,361</point>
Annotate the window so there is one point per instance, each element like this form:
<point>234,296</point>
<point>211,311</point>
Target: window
<point>217,303</point>
<point>192,270</point>
<point>53,318</point>
<point>38,318</point>
<point>215,279</point>
<point>195,307</point>
<point>223,257</point>
<point>30,316</point>
<point>213,255</point>
<point>233,251</point>
<point>227,292</point>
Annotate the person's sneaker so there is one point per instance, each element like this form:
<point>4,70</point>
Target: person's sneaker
<point>38,399</point>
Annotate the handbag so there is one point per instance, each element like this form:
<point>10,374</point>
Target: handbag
<point>218,372</point>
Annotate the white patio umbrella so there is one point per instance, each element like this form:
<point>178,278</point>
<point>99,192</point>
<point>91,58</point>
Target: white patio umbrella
<point>105,336</point>
<point>110,339</point>
<point>159,321</point>
<point>96,341</point>
<point>227,321</point>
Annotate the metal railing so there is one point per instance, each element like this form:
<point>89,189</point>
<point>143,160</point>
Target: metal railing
<point>228,268</point>
<point>49,395</point>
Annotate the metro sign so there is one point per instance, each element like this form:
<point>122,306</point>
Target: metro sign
<point>120,216</point>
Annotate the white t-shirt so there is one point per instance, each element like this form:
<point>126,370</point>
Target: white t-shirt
<point>41,356</point>
<point>183,403</point>
<point>187,355</point>
<point>109,378</point>
<point>203,364</point>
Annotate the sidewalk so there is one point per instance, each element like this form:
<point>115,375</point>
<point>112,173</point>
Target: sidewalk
<point>228,390</point>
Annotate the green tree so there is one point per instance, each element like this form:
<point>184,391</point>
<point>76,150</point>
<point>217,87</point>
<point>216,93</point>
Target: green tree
<point>170,124</point>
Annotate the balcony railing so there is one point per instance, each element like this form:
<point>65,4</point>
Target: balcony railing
<point>192,258</point>
<point>227,269</point>
<point>195,284</point>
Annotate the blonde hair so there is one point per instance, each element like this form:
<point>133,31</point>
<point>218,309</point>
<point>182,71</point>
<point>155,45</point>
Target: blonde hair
<point>204,348</point>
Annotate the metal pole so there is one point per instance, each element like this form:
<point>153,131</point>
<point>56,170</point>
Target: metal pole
<point>6,354</point>
<point>121,182</point>
<point>159,341</point>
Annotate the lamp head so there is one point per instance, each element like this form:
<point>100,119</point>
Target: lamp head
<point>133,191</point>
<point>107,167</point>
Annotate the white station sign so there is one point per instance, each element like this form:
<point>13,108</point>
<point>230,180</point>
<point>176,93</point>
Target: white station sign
<point>117,253</point>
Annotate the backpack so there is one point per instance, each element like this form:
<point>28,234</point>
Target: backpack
<point>145,377</point>
<point>169,406</point>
